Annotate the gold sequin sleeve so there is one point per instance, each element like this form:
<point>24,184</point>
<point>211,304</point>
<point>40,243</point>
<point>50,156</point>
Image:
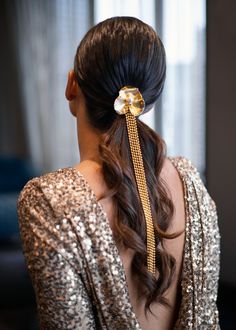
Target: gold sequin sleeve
<point>53,264</point>
<point>201,259</point>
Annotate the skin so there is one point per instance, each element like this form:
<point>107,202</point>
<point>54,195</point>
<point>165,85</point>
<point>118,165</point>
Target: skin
<point>88,137</point>
<point>90,168</point>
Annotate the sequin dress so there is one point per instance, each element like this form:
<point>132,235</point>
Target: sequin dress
<point>75,266</point>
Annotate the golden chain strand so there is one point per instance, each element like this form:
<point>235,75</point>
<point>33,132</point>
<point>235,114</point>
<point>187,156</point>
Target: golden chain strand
<point>140,176</point>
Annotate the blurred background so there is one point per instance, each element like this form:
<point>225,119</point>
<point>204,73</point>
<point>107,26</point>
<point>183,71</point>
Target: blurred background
<point>196,114</point>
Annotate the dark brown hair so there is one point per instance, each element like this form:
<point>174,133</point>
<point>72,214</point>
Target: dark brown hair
<point>117,52</point>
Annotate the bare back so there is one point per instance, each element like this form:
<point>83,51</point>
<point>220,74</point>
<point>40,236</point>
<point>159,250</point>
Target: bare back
<point>164,317</point>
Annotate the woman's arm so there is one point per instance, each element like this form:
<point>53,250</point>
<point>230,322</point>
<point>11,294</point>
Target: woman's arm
<point>62,298</point>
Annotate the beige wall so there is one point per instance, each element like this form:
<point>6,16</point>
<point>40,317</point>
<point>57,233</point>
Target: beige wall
<point>221,125</point>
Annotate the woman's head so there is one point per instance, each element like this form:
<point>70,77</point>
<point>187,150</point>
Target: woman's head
<point>117,52</point>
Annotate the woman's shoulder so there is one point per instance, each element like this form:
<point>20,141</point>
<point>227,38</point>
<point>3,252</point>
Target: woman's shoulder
<point>48,180</point>
<point>179,170</point>
<point>184,166</point>
<point>191,178</point>
<point>187,171</point>
<point>59,187</point>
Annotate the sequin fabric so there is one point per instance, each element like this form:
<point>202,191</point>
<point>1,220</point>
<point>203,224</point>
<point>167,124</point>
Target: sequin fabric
<point>75,266</point>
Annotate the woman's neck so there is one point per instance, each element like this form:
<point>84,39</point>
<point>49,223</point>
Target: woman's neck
<point>88,140</point>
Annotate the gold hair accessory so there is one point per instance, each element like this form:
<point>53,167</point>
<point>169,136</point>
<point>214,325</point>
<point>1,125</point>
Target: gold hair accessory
<point>129,99</point>
<point>130,103</point>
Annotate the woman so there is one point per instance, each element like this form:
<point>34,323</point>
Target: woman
<point>128,238</point>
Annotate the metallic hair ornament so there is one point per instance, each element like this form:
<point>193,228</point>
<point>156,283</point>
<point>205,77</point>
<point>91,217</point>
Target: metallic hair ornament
<point>131,104</point>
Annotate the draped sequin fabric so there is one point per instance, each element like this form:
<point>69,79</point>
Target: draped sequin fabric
<point>75,266</point>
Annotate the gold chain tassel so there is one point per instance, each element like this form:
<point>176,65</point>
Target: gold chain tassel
<point>140,176</point>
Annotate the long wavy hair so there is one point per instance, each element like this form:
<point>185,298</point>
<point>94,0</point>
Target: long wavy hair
<point>118,52</point>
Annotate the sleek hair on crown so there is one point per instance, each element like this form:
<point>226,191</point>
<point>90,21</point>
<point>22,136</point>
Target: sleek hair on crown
<point>118,52</point>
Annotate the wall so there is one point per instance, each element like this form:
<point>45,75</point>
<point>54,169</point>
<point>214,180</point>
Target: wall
<point>221,125</point>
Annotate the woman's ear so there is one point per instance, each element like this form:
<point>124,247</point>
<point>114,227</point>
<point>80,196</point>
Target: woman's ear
<point>71,87</point>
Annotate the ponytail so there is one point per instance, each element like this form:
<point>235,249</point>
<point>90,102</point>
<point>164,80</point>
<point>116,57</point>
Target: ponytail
<point>129,228</point>
<point>118,52</point>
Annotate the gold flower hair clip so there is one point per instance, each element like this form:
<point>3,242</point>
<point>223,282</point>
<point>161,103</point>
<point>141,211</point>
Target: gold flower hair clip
<point>129,99</point>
